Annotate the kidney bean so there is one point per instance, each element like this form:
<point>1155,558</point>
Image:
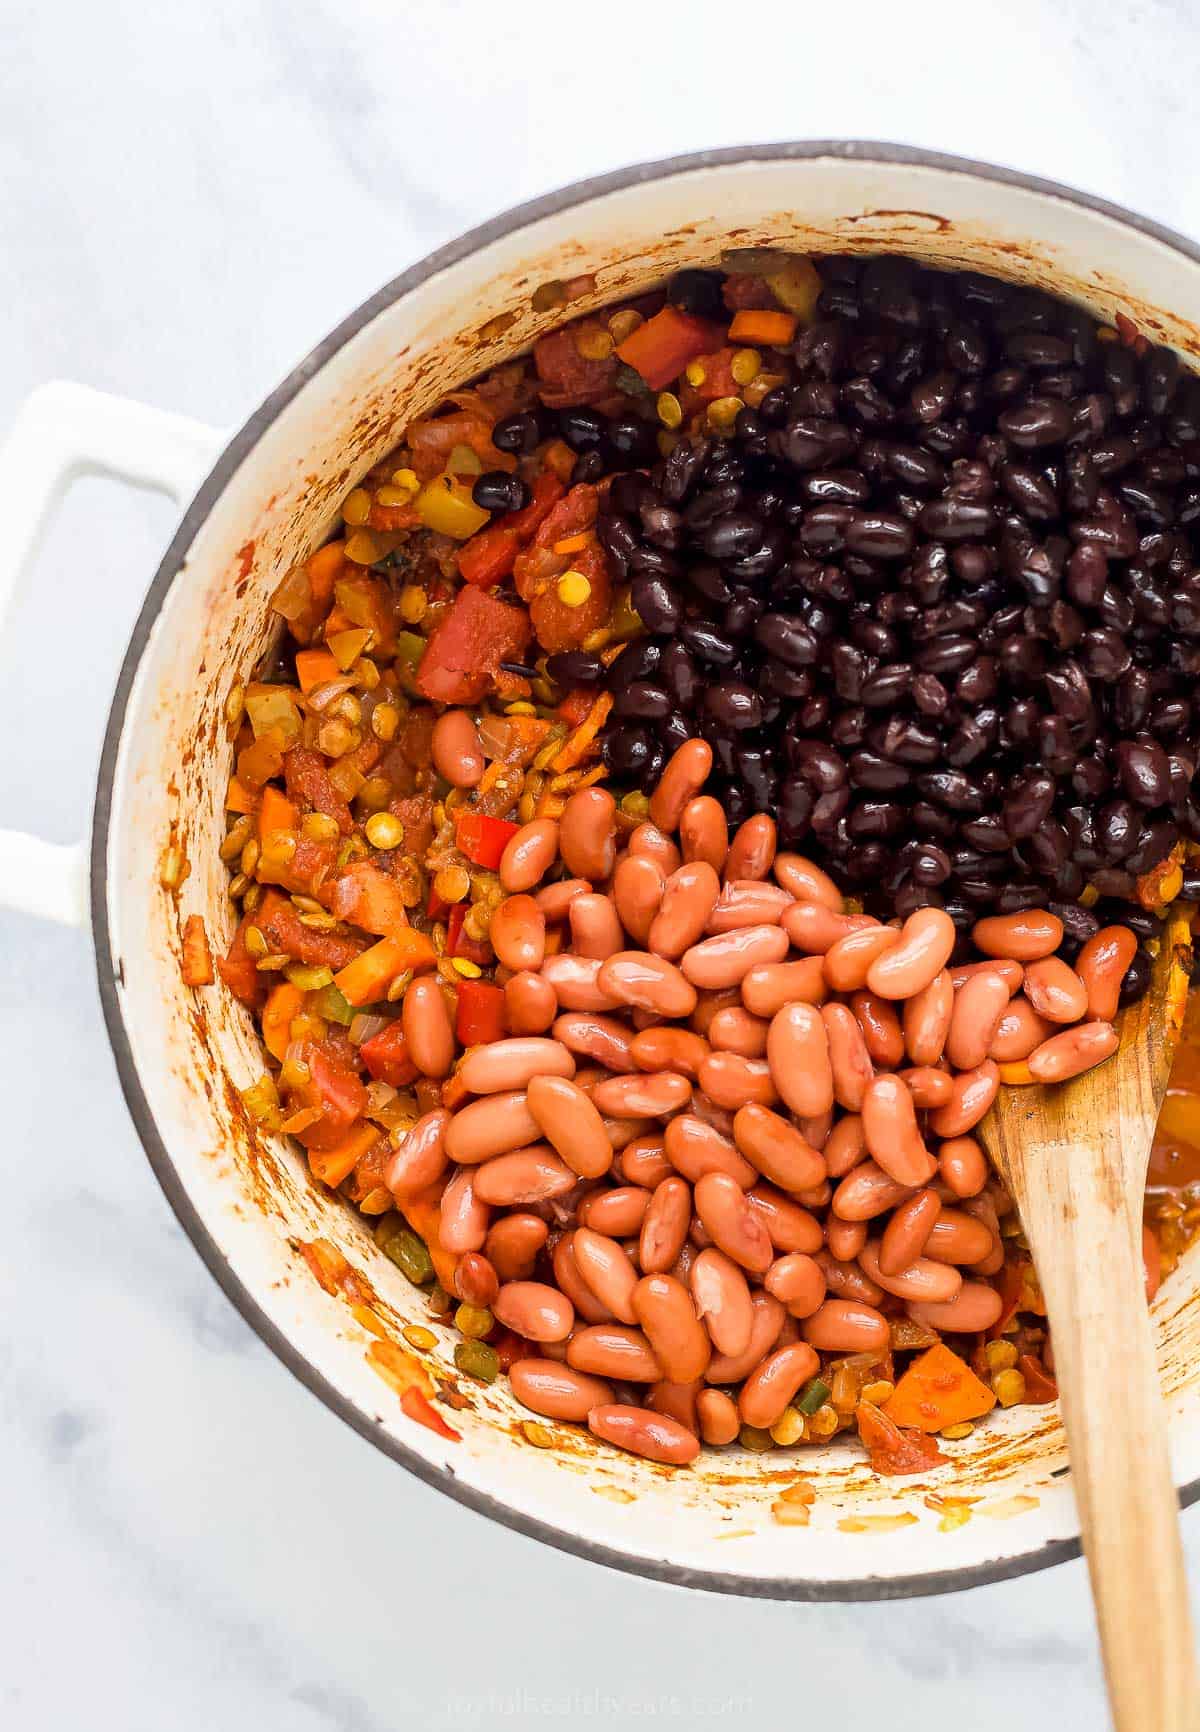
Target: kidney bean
<point>770,1387</point>
<point>978,1008</point>
<point>642,1162</point>
<point>769,986</point>
<point>926,1019</point>
<point>569,1277</point>
<point>927,939</point>
<point>807,883</point>
<point>747,902</point>
<point>603,1039</point>
<point>513,1242</point>
<point>688,898</point>
<point>462,1215</point>
<point>596,930</point>
<point>767,1321</point>
<point>881,1029</point>
<point>529,855</point>
<point>731,1081</point>
<point>686,773</point>
<point>649,842</point>
<point>530,1003</point>
<point>1019,1030</point>
<point>679,1340</point>
<point>619,1212</point>
<point>1054,990</point>
<point>892,1135</point>
<point>677,1401</point>
<point>845,1239</point>
<point>849,960</point>
<point>798,1282</point>
<point>959,1238</point>
<point>819,1196</point>
<point>815,929</point>
<point>607,1270</point>
<point>928,1086</point>
<point>974,1092</point>
<point>455,749</point>
<point>1102,965</point>
<point>923,1279</point>
<point>511,1064</point>
<point>707,1006</point>
<point>777,1149</point>
<point>1011,972</point>
<point>569,1120</point>
<point>845,1146</point>
<point>735,1030</point>
<point>704,832</point>
<point>721,1296</point>
<point>637,888</point>
<point>643,1095</point>
<point>907,1232</point>
<point>622,1131</point>
<point>848,1057</point>
<point>420,1157</point>
<point>790,1225</point>
<point>726,959</point>
<point>647,982</point>
<point>614,1350</point>
<point>695,1148</point>
<point>475,1280</point>
<point>846,1326</point>
<point>533,1174</point>
<point>847,1279</point>
<point>576,982</point>
<point>867,1191</point>
<point>1024,937</point>
<point>664,1047</point>
<point>798,1056</point>
<point>976,1306</point>
<point>717,1416</point>
<point>732,1223</point>
<point>587,834</point>
<point>428,1031</point>
<point>963,1166</point>
<point>752,850</point>
<point>556,1391</point>
<point>664,1227</point>
<point>656,1436</point>
<point>1071,1053</point>
<point>488,1127</point>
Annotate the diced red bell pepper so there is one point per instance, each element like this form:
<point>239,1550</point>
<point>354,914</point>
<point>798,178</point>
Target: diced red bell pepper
<point>420,1408</point>
<point>480,1015</point>
<point>386,1056</point>
<point>457,942</point>
<point>892,1450</point>
<point>488,557</point>
<point>436,908</point>
<point>547,491</point>
<point>575,706</point>
<point>466,647</point>
<point>661,348</point>
<point>483,839</point>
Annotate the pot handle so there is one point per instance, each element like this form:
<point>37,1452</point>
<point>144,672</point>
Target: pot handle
<point>64,431</point>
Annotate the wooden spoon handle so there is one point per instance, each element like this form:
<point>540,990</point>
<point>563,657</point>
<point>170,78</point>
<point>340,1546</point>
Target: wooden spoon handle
<point>1090,1268</point>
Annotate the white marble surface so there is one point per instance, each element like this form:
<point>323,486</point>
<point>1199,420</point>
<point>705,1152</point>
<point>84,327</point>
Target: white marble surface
<point>189,197</point>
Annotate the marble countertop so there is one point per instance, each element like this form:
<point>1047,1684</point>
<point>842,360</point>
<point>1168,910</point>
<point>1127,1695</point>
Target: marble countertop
<point>190,197</point>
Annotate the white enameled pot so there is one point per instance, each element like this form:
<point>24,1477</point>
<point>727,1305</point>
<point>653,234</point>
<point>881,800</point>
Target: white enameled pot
<point>271,495</point>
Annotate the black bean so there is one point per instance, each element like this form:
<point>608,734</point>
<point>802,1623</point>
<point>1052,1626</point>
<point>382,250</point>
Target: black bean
<point>646,702</point>
<point>519,434</point>
<point>657,603</point>
<point>733,704</point>
<point>574,668</point>
<point>697,292</point>
<point>1142,768</point>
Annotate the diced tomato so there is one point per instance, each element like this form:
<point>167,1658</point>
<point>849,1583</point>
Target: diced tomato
<point>386,1056</point>
<point>303,872</point>
<point>237,968</point>
<point>365,896</point>
<point>662,347</point>
<point>571,515</point>
<point>466,647</point>
<point>457,942</point>
<point>309,786</point>
<point>510,1347</point>
<point>480,1015</point>
<point>1040,1387</point>
<point>435,908</point>
<point>565,377</point>
<point>370,1167</point>
<point>431,442</point>
<point>559,627</point>
<point>286,934</point>
<point>488,557</point>
<point>891,1449</point>
<point>483,839</point>
<point>336,1090</point>
<point>547,490</point>
<point>415,812</point>
<point>718,380</point>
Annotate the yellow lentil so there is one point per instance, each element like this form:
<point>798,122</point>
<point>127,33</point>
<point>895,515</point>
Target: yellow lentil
<point>789,1428</point>
<point>452,883</point>
<point>1009,1387</point>
<point>474,1321</point>
<point>755,1438</point>
<point>384,831</point>
<point>469,970</point>
<point>954,1432</point>
<point>1000,1355</point>
<point>573,589</point>
<point>385,719</point>
<point>746,365</point>
<point>414,603</point>
<point>669,409</point>
<point>406,479</point>
<point>723,412</point>
<point>417,1336</point>
<point>357,508</point>
<point>624,323</point>
<point>694,373</point>
<point>540,1436</point>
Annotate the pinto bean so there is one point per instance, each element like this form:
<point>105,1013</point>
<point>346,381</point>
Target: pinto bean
<point>806,882</point>
<point>768,1319</point>
<point>420,1157</point>
<point>844,1238</point>
<point>732,1223</point>
<point>798,1282</point>
<point>687,770</point>
<point>848,1279</point>
<point>656,1436</point>
<point>637,887</point>
<point>665,1225</point>
<point>513,1242</point>
<point>603,1039</point>
<point>846,1326</point>
<point>455,749</point>
<point>665,1047</point>
<point>928,1086</point>
<point>1054,990</point>
<point>1102,965</point>
<point>530,1003</point>
<point>677,1401</point>
<point>530,1175</point>
<point>529,855</point>
<point>668,1317</point>
<point>694,1148</point>
<point>752,850</point>
<point>688,898</point>
<point>726,959</point>
<point>535,1310</point>
<point>614,1350</point>
<point>721,1296</point>
<point>848,960</point>
<point>747,902</point>
<point>608,1271</point>
<point>511,1064</point>
<point>976,1306</point>
<point>790,1225</point>
<point>704,832</point>
<point>428,1031</point>
<point>1024,937</point>
<point>556,1391</point>
<point>587,834</point>
<point>475,1280</point>
<point>718,1417</point>
<point>462,1215</point>
<point>596,929</point>
<point>798,1056</point>
<point>647,982</point>
<point>518,934</point>
<point>576,982</point>
<point>777,1149</point>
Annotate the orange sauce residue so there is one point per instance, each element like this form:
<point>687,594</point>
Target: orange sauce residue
<point>1173,1179</point>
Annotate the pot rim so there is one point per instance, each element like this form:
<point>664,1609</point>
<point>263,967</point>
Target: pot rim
<point>444,1479</point>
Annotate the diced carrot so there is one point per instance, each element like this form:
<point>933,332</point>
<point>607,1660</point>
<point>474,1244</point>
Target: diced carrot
<point>333,1165</point>
<point>323,569</point>
<point>196,963</point>
<point>239,798</point>
<point>368,977</point>
<point>282,1007</point>
<point>574,543</point>
<point>276,812</point>
<point>365,896</point>
<point>314,667</point>
<point>579,744</point>
<point>661,348</point>
<point>402,1370</point>
<point>761,325</point>
<point>937,1390</point>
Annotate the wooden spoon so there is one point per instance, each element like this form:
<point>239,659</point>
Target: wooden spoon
<point>1074,1158</point>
